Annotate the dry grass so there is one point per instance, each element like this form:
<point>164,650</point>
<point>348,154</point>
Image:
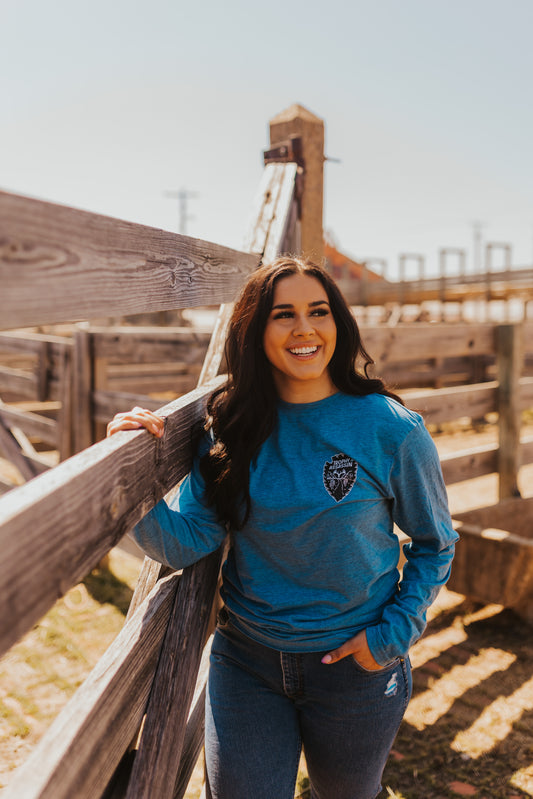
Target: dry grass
<point>42,671</point>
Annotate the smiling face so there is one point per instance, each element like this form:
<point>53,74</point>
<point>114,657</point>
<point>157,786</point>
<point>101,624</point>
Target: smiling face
<point>300,338</point>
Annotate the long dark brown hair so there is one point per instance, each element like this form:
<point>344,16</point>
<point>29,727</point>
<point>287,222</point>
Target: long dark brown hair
<point>242,412</point>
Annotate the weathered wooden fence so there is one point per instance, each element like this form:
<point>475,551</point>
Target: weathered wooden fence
<point>59,265</point>
<point>86,379</point>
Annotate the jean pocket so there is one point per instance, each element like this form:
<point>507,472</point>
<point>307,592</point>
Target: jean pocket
<point>380,670</point>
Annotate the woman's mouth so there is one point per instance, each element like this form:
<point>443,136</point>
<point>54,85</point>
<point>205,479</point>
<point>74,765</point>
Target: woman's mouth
<point>303,352</point>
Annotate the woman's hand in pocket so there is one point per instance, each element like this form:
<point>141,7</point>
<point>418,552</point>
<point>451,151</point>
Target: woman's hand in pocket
<point>358,648</point>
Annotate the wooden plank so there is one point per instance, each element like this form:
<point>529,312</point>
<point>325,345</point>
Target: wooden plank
<point>29,341</point>
<point>13,452</point>
<point>448,404</point>
<point>279,226</point>
<point>151,370</point>
<point>509,417</point>
<point>59,264</point>
<point>82,387</point>
<point>526,393</point>
<point>80,751</point>
<point>6,485</point>
<point>474,462</point>
<point>156,766</point>
<point>17,381</point>
<point>422,340</point>
<point>46,409</point>
<point>65,422</point>
<point>526,450</point>
<point>194,734</point>
<point>65,521</point>
<point>31,423</point>
<point>147,345</point>
<point>107,403</point>
<point>162,385</point>
<point>528,337</point>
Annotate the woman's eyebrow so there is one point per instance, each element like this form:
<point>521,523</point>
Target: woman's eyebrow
<point>311,304</point>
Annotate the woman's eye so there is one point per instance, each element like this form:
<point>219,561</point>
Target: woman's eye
<point>320,312</point>
<point>283,315</point>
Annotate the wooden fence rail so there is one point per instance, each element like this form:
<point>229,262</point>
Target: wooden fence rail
<point>65,520</point>
<point>59,264</point>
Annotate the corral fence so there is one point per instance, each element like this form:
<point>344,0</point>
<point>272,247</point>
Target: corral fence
<point>135,727</point>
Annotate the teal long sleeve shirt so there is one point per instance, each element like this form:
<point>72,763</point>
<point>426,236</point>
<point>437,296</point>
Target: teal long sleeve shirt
<point>317,560</point>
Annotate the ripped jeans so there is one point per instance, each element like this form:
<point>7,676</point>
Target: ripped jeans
<point>263,706</point>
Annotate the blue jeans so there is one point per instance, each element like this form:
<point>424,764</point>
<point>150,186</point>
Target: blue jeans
<point>263,705</point>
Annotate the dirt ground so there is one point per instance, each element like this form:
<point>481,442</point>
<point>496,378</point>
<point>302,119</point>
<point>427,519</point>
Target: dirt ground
<point>468,730</point>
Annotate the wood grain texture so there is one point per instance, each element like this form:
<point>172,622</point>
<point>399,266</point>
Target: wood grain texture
<point>421,340</point>
<point>449,404</point>
<point>18,382</point>
<point>194,733</point>
<point>31,423</point>
<point>106,404</point>
<point>156,765</point>
<point>23,341</point>
<point>82,387</point>
<point>80,751</point>
<point>16,447</point>
<point>149,344</point>
<point>59,264</point>
<point>526,393</point>
<point>65,521</point>
<point>469,463</point>
<point>510,362</point>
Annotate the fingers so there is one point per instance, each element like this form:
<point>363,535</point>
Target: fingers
<point>135,419</point>
<point>337,654</point>
<point>356,646</point>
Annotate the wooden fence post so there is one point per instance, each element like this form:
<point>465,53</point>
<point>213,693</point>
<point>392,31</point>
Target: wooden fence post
<point>82,390</point>
<point>297,122</point>
<point>509,362</point>
<point>65,429</point>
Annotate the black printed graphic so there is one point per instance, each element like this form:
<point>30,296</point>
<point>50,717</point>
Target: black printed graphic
<point>339,476</point>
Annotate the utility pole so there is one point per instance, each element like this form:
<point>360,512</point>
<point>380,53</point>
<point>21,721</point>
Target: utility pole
<point>182,196</point>
<point>477,226</point>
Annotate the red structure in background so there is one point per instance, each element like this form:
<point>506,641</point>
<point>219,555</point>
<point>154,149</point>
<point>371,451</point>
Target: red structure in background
<point>340,266</point>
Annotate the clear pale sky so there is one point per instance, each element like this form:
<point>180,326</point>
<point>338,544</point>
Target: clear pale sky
<point>427,103</point>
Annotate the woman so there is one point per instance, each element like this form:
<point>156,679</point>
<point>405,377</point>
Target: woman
<point>308,463</point>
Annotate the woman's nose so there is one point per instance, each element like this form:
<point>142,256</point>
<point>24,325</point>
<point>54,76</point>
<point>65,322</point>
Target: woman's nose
<point>303,326</point>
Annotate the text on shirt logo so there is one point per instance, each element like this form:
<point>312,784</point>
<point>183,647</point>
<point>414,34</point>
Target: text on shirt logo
<point>340,474</point>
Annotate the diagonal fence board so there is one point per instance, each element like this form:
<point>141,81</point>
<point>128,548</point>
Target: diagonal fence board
<point>59,264</point>
<point>82,748</point>
<point>67,519</point>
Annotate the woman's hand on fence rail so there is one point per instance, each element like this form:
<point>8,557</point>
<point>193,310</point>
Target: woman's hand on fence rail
<point>135,419</point>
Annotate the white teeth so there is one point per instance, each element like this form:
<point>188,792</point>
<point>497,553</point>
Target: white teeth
<point>303,350</point>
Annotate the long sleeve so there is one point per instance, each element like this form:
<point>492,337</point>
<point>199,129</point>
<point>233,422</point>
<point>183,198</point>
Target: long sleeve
<point>420,509</point>
<point>181,533</point>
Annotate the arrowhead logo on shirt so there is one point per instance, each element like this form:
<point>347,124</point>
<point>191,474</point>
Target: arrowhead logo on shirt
<point>339,476</point>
